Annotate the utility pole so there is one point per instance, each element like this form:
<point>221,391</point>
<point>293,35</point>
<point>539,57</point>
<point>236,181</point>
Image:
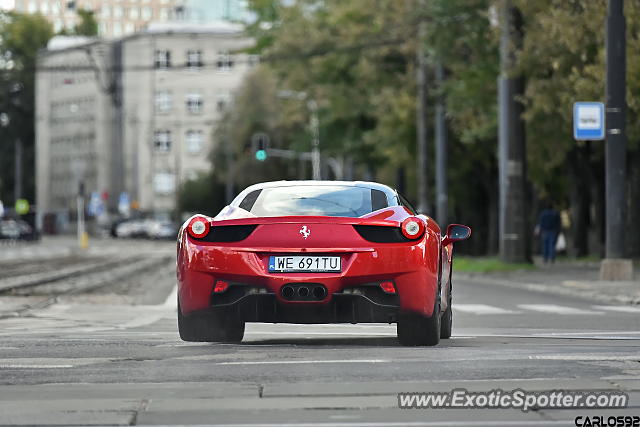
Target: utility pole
<point>314,125</point>
<point>421,115</point>
<point>312,105</point>
<point>514,230</point>
<point>17,184</point>
<point>614,267</point>
<point>441,152</point>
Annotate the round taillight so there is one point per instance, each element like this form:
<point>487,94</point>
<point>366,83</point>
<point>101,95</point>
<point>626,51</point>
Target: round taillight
<point>412,228</point>
<point>198,227</point>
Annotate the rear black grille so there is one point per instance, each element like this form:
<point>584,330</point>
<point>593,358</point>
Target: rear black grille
<point>228,233</point>
<point>381,234</point>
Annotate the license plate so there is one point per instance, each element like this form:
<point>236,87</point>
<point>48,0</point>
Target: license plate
<point>297,264</point>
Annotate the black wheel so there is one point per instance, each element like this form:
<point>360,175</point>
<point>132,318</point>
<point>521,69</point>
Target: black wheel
<point>209,327</point>
<point>446,322</point>
<point>418,330</point>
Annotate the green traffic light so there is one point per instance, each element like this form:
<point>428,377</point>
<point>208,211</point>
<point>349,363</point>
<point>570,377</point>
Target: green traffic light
<point>261,155</point>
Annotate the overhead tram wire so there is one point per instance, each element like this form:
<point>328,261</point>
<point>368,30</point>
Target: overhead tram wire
<point>322,51</point>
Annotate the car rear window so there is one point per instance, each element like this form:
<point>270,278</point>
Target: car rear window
<point>344,201</point>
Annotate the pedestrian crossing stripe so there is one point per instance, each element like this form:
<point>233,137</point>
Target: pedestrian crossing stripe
<point>485,309</point>
<point>482,309</point>
<point>557,309</point>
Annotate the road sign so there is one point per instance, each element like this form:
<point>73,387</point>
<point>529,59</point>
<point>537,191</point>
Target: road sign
<point>22,207</point>
<point>96,206</point>
<point>124,206</point>
<point>588,121</point>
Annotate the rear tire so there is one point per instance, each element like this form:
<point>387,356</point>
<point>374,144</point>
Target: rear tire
<point>210,327</point>
<point>446,323</point>
<point>419,330</point>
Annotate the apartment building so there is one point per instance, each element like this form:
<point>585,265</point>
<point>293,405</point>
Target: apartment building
<point>133,115</point>
<point>117,18</point>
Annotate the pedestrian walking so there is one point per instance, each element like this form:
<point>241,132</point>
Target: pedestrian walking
<point>548,229</point>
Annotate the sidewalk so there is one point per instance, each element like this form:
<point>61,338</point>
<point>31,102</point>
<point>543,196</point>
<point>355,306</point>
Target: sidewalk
<point>578,279</point>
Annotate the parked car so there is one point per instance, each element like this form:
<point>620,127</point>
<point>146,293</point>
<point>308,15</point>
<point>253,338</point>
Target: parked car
<point>16,229</point>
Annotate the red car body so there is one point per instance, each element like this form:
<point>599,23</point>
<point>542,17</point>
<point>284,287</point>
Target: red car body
<point>225,278</point>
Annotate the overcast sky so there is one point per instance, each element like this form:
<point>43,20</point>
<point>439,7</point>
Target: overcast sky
<point>6,3</point>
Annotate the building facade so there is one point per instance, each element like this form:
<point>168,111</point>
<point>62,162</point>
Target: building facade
<point>133,115</point>
<point>117,18</point>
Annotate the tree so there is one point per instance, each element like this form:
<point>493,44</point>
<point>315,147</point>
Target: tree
<point>88,25</point>
<point>21,36</point>
<point>564,61</point>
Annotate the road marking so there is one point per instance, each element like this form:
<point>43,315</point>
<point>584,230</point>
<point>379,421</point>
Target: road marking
<point>557,309</point>
<point>587,357</point>
<point>35,366</point>
<point>482,309</point>
<point>488,423</point>
<point>618,308</point>
<point>172,299</point>
<point>305,362</point>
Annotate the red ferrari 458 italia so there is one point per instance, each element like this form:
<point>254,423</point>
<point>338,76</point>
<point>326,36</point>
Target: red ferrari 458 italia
<point>316,252</point>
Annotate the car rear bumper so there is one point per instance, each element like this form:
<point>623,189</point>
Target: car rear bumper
<point>412,268</point>
<point>342,308</point>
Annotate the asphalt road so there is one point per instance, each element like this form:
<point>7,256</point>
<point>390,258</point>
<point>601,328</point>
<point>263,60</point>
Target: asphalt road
<point>113,356</point>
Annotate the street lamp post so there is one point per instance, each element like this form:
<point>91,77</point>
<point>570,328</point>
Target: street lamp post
<point>314,124</point>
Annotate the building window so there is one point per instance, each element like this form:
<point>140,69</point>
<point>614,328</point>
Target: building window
<point>33,7</point>
<point>222,100</point>
<point>195,141</point>
<point>194,103</point>
<point>224,62</point>
<point>134,13</point>
<point>106,11</point>
<point>162,59</point>
<point>194,59</point>
<point>164,183</point>
<point>163,101</point>
<point>146,13</point>
<point>118,12</point>
<point>162,140</point>
<point>117,29</point>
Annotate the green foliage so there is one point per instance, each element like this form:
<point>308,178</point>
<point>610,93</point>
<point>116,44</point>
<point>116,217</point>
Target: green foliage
<point>564,61</point>
<point>203,195</point>
<point>88,25</point>
<point>21,36</point>
<point>486,265</point>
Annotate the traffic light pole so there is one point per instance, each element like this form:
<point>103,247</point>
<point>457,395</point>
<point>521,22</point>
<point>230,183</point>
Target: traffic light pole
<point>441,152</point>
<point>421,119</point>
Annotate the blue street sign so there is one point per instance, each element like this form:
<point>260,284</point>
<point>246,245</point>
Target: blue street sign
<point>96,206</point>
<point>588,121</point>
<point>124,205</point>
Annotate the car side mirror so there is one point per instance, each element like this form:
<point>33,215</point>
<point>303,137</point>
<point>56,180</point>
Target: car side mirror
<point>455,233</point>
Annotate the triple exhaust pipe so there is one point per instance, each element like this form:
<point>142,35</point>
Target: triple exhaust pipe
<point>304,292</point>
